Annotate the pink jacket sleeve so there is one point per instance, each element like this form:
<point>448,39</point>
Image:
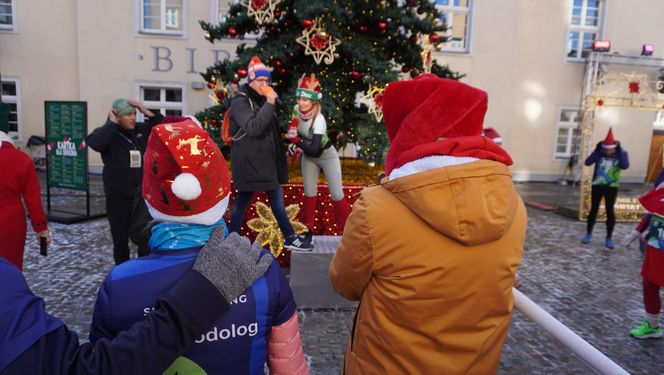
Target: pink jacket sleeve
<point>284,350</point>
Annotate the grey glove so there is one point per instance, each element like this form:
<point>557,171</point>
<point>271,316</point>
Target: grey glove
<point>231,264</point>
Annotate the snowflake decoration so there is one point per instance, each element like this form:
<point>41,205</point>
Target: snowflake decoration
<point>268,229</point>
<point>318,44</point>
<point>261,10</point>
<point>374,100</point>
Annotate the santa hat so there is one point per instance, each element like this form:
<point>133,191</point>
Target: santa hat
<point>5,138</point>
<point>609,142</point>
<point>308,88</point>
<point>493,135</point>
<point>436,116</point>
<point>256,69</point>
<point>653,201</point>
<point>185,179</point>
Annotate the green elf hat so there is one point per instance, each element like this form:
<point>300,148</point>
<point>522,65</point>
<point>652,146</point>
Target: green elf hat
<point>308,88</point>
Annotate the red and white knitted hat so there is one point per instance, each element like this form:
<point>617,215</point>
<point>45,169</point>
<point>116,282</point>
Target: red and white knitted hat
<point>185,179</point>
<point>609,142</point>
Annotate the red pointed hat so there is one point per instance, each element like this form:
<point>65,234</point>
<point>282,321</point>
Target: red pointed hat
<point>493,135</point>
<point>185,178</point>
<point>609,142</point>
<point>653,201</point>
<point>436,116</point>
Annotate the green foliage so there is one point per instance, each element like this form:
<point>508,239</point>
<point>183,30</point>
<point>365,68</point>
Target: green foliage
<point>379,41</point>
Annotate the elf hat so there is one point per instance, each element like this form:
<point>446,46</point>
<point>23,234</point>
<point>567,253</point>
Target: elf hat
<point>256,69</point>
<point>493,135</point>
<point>609,142</point>
<point>122,107</point>
<point>429,116</point>
<point>308,88</point>
<point>185,179</point>
<point>653,201</point>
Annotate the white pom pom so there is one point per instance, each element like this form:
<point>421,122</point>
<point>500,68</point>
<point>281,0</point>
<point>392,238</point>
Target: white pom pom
<point>186,187</point>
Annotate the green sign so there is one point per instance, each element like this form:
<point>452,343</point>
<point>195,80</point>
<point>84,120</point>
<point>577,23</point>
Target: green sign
<point>66,128</point>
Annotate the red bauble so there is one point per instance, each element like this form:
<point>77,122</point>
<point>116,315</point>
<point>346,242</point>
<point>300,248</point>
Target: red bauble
<point>272,29</point>
<point>363,28</point>
<point>308,24</point>
<point>405,69</point>
<point>277,14</point>
<point>433,38</point>
<point>210,85</point>
<point>232,32</point>
<point>413,38</point>
<point>355,74</point>
<point>220,94</point>
<point>382,25</point>
<point>420,10</point>
<point>242,73</point>
<point>410,2</point>
<point>277,63</point>
<point>281,71</point>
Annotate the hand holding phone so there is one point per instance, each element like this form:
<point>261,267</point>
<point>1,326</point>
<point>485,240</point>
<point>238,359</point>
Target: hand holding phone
<point>43,246</point>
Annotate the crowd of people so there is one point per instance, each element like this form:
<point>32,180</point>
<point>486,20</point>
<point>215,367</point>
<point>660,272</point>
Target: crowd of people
<point>200,298</point>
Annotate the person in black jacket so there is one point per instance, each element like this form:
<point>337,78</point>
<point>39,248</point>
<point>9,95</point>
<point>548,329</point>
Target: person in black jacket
<point>35,342</point>
<point>121,142</point>
<point>258,158</point>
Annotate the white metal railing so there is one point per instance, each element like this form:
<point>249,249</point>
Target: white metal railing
<point>593,357</point>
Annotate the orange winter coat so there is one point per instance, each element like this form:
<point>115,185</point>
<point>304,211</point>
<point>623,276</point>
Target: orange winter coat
<point>432,258</point>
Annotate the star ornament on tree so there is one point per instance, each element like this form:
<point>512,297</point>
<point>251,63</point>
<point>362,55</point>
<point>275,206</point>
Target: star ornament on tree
<point>374,100</point>
<point>262,11</point>
<point>268,229</point>
<point>318,44</point>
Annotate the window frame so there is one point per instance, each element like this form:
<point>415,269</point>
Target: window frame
<point>454,9</point>
<point>13,26</point>
<point>163,17</point>
<point>558,156</point>
<point>18,134</point>
<point>582,30</point>
<point>162,105</point>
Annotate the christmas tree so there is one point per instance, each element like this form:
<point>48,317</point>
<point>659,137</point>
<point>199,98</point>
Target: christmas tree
<point>354,47</point>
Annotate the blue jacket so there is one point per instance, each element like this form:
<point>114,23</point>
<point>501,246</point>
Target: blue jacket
<point>34,342</point>
<point>236,343</point>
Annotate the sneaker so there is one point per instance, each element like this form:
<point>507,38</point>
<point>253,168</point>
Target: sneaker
<point>298,243</point>
<point>309,236</point>
<point>609,243</point>
<point>586,239</point>
<point>645,331</point>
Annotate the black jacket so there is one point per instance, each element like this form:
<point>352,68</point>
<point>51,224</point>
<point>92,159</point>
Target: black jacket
<point>258,157</point>
<point>114,144</point>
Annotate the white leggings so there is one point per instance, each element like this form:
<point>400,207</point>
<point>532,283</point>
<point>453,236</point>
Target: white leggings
<point>329,163</point>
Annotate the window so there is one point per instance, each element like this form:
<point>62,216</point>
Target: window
<point>567,133</point>
<point>456,14</point>
<point>162,16</point>
<point>220,9</point>
<point>166,99</point>
<point>584,28</point>
<point>11,95</point>
<point>7,15</point>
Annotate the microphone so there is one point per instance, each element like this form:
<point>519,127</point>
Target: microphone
<point>266,90</point>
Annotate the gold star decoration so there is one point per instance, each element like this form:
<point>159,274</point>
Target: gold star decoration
<point>426,45</point>
<point>318,43</point>
<point>261,10</point>
<point>268,229</point>
<point>374,100</point>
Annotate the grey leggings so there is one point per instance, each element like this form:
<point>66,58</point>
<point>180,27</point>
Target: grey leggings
<point>329,163</point>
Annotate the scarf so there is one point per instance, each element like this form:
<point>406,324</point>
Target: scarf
<point>306,116</point>
<point>173,236</point>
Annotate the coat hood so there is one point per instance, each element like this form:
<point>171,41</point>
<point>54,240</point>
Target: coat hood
<point>472,203</point>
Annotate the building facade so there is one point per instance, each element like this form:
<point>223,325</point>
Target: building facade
<point>528,55</point>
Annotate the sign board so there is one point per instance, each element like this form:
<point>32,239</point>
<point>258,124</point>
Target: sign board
<point>67,156</point>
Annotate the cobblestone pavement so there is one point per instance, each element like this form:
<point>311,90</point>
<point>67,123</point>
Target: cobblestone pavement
<point>596,292</point>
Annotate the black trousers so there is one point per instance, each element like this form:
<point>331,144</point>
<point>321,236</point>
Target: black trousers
<point>119,216</point>
<point>609,194</point>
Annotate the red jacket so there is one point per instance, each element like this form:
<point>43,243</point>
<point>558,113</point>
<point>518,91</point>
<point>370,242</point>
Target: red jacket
<point>19,180</point>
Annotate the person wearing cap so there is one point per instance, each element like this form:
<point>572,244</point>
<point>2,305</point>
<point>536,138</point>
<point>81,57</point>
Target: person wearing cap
<point>186,187</point>
<point>18,184</point>
<point>609,159</point>
<point>649,232</point>
<point>121,142</point>
<point>35,342</point>
<point>432,252</point>
<point>258,157</point>
<point>308,130</point>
